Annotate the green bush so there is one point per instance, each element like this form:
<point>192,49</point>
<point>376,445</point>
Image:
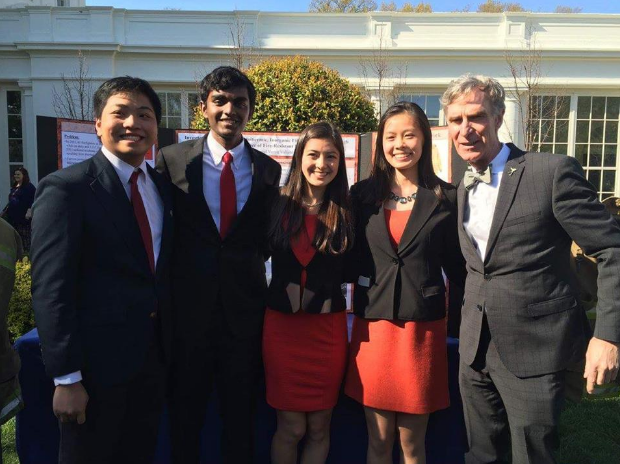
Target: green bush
<point>21,318</point>
<point>293,92</point>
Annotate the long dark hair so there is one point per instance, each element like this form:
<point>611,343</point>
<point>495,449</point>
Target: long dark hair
<point>382,172</point>
<point>26,179</point>
<point>334,232</point>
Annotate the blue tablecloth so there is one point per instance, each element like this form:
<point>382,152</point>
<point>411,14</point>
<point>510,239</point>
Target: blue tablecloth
<point>37,428</point>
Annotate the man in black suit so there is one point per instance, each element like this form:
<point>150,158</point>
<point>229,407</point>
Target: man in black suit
<point>101,243</point>
<point>222,198</point>
<point>522,325</point>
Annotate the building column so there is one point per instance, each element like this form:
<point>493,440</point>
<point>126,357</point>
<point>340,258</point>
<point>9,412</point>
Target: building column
<point>511,130</point>
<point>29,136</point>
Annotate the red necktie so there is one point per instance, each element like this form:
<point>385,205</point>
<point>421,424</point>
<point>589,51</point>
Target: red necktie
<point>228,196</point>
<point>142,218</point>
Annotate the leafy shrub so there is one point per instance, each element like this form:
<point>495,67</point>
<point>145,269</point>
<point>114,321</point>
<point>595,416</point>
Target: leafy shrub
<point>21,317</point>
<point>293,92</point>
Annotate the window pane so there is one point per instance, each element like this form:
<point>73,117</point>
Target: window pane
<point>583,107</point>
<point>561,148</point>
<point>193,99</point>
<point>583,131</point>
<point>162,98</point>
<point>581,154</point>
<point>548,108</point>
<point>598,107</point>
<point>15,127</point>
<point>609,181</point>
<point>16,151</point>
<point>174,104</point>
<point>546,131</point>
<point>596,155</point>
<point>561,131</point>
<point>594,176</point>
<point>563,107</point>
<point>546,148</point>
<point>611,131</point>
<point>432,106</point>
<point>419,100</point>
<point>613,105</point>
<point>610,155</point>
<point>14,102</point>
<point>434,122</point>
<point>174,123</point>
<point>535,109</point>
<point>596,132</point>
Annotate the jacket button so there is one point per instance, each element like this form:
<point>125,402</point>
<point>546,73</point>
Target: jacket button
<point>479,307</point>
<point>487,277</point>
<point>153,315</point>
<point>394,261</point>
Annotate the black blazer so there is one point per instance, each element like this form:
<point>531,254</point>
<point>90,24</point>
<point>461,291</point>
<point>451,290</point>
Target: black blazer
<point>212,275</point>
<point>322,292</point>
<point>93,292</point>
<point>407,283</point>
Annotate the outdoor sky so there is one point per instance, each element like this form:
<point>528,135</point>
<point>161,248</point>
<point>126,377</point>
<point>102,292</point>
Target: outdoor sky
<point>588,6</point>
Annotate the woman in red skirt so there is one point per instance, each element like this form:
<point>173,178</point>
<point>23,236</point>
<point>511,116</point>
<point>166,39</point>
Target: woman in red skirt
<point>305,332</point>
<point>405,234</point>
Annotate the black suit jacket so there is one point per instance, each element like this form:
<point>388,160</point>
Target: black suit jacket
<point>322,291</point>
<point>525,283</point>
<point>407,283</point>
<point>211,274</point>
<point>93,292</point>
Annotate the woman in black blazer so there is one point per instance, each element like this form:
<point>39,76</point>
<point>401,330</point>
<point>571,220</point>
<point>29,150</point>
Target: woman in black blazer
<point>405,235</point>
<point>17,211</point>
<point>305,332</point>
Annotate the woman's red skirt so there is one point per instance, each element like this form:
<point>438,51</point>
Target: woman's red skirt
<point>305,357</point>
<point>399,365</point>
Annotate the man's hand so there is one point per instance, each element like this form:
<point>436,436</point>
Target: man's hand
<point>70,403</point>
<point>601,363</point>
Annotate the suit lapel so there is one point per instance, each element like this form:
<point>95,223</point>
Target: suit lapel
<point>166,231</point>
<point>195,191</point>
<point>467,245</point>
<point>110,192</point>
<point>513,170</point>
<point>425,203</point>
<point>377,229</point>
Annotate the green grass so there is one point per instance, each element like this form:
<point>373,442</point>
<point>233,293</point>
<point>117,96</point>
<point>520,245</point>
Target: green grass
<point>590,434</point>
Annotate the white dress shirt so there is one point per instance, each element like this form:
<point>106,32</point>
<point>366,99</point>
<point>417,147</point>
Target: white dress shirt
<point>212,166</point>
<point>154,207</point>
<point>480,205</point>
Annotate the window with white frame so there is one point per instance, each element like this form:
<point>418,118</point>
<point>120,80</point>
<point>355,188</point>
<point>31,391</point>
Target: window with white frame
<point>596,141</point>
<point>177,108</point>
<point>550,118</point>
<point>14,118</point>
<point>430,104</point>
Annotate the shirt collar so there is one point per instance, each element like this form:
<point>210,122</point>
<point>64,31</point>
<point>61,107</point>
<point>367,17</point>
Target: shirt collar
<point>123,169</point>
<point>217,151</point>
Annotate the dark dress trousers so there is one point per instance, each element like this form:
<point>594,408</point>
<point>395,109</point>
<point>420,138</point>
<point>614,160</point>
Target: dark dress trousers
<point>407,283</point>
<point>219,292</point>
<point>522,325</point>
<point>100,309</point>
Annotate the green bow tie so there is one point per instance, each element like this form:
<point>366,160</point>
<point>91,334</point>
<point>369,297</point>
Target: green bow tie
<point>473,177</point>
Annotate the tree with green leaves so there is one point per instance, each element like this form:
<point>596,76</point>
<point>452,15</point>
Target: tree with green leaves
<point>342,6</point>
<point>293,92</point>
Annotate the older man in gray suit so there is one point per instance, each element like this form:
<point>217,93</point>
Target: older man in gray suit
<point>522,325</point>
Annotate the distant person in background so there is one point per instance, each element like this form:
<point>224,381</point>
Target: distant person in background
<point>17,211</point>
<point>405,234</point>
<point>10,393</point>
<point>305,331</point>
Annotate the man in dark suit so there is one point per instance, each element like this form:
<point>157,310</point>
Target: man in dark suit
<point>223,192</point>
<point>101,243</point>
<point>522,326</point>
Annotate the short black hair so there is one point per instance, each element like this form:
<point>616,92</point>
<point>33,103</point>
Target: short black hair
<point>224,78</point>
<point>125,84</point>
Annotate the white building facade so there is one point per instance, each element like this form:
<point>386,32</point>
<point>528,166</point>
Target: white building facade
<point>579,58</point>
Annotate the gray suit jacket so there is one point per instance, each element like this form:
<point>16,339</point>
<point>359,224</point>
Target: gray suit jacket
<point>525,284</point>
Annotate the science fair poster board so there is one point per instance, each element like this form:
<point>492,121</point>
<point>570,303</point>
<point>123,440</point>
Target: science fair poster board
<point>281,146</point>
<point>78,141</point>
